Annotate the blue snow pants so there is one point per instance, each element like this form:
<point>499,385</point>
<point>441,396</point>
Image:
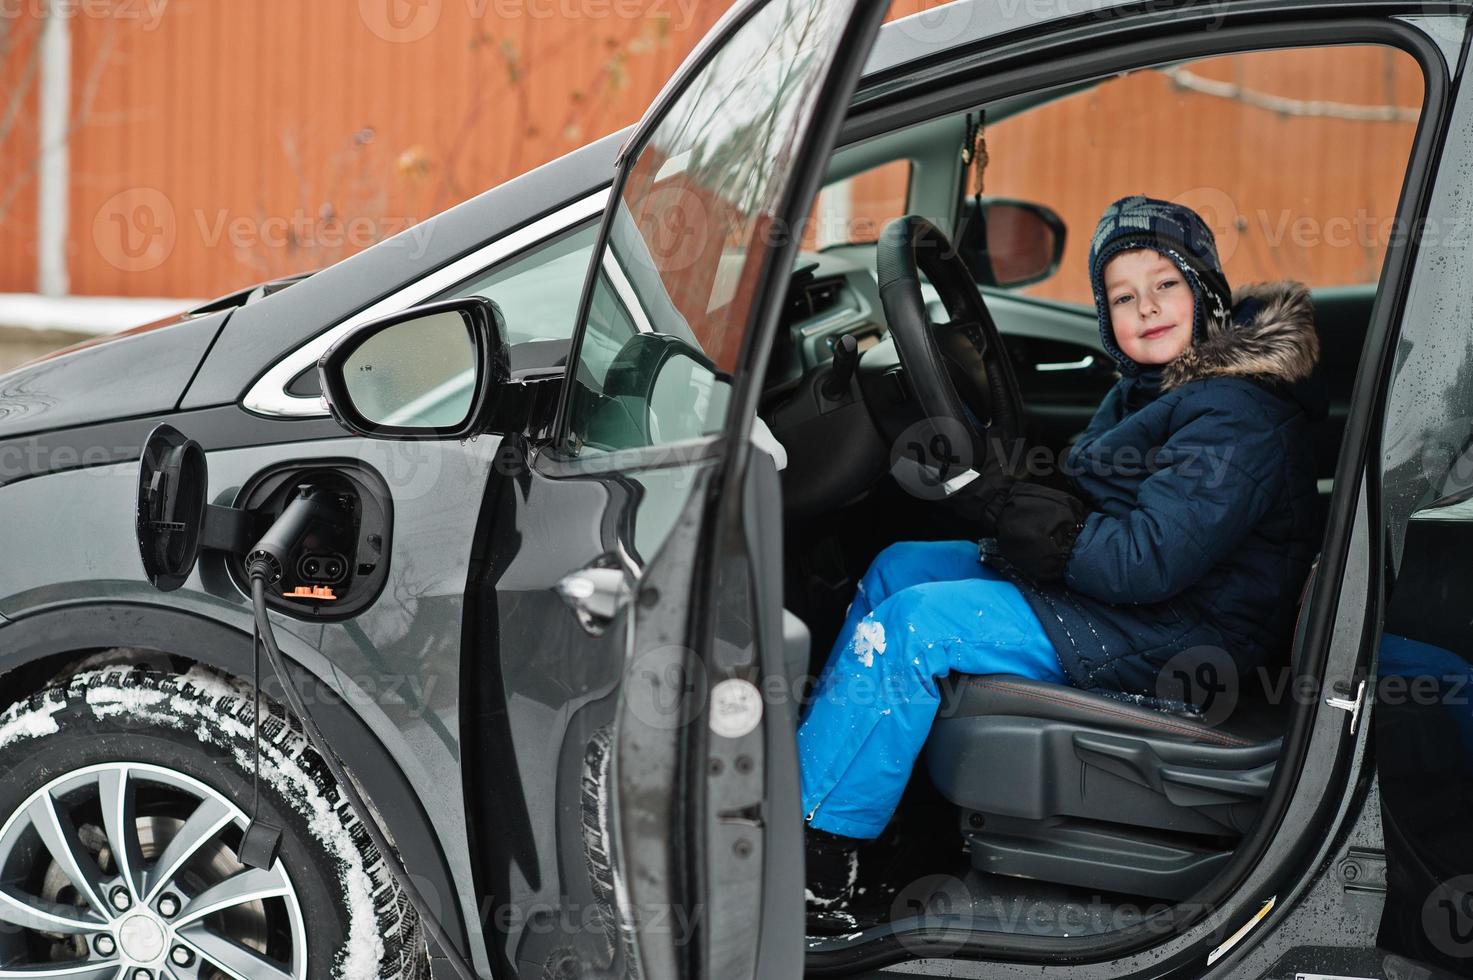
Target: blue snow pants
<point>924,609</point>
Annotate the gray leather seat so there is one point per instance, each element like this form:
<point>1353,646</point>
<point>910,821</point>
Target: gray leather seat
<point>1132,795</point>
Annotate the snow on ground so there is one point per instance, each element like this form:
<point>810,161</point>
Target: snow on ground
<point>85,314</point>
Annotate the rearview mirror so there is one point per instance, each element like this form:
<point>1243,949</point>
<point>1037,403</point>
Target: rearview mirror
<point>431,372</point>
<point>1010,243</point>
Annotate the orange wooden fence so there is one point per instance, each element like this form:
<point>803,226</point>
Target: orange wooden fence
<point>215,143</point>
<point>1303,196</point>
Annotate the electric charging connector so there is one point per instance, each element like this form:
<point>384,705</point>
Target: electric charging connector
<point>264,565</point>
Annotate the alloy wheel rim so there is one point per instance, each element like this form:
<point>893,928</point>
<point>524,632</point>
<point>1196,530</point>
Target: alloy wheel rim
<point>87,872</point>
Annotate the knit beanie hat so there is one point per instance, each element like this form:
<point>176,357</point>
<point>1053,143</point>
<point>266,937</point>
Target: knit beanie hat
<point>1178,233</point>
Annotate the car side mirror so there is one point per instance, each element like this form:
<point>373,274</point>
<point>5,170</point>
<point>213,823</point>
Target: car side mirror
<point>1010,243</point>
<point>431,372</point>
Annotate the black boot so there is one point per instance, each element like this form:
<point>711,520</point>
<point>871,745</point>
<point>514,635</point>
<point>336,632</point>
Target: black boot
<point>832,876</point>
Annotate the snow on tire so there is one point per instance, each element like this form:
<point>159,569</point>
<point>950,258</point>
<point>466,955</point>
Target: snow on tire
<point>181,746</point>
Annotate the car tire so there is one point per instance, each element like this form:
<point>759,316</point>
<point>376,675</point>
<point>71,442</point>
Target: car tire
<point>171,756</point>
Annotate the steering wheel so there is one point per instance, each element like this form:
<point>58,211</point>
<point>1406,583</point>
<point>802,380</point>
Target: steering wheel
<point>959,371</point>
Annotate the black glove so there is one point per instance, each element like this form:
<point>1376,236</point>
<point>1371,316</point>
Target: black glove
<point>1036,528</point>
<point>981,501</point>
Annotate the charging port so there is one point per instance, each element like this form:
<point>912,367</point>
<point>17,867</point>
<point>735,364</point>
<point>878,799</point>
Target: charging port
<point>332,561</point>
<point>322,569</point>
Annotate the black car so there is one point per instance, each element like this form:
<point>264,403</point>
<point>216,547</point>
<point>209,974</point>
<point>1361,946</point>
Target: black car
<point>607,448</point>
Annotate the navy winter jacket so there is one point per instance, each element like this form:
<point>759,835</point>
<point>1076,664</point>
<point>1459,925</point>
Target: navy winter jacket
<point>1201,490</point>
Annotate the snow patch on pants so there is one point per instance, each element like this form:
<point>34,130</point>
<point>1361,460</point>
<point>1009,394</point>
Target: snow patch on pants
<point>869,639</point>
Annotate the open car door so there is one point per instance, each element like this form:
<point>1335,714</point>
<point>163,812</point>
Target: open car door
<point>629,588</point>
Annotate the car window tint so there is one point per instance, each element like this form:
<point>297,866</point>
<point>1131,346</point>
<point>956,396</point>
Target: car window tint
<point>854,210</point>
<point>610,328</point>
<point>1295,157</point>
<point>537,290</point>
<point>691,227</point>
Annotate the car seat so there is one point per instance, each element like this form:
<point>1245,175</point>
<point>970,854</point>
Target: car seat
<point>1119,793</point>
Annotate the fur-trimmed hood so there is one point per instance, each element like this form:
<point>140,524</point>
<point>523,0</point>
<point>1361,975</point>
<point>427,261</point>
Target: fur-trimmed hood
<point>1135,589</point>
<point>1271,335</point>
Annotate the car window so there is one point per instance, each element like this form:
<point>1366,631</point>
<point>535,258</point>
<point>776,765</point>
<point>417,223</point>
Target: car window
<point>612,326</point>
<point>537,290</point>
<point>1295,157</point>
<point>854,211</point>
<point>689,232</point>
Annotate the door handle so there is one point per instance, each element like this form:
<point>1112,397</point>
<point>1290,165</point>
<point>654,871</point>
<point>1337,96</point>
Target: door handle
<point>1083,364</point>
<point>595,593</point>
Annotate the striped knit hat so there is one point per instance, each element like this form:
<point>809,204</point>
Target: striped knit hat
<point>1178,233</point>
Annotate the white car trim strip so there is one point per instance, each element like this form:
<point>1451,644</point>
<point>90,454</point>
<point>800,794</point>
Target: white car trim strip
<point>268,396</point>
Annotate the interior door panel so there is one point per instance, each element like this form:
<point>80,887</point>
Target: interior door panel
<point>1063,372</point>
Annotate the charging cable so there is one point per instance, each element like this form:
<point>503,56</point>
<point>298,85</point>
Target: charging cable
<point>264,564</point>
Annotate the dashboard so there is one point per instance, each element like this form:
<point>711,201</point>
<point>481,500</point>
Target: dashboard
<point>1055,347</point>
<point>835,438</point>
<point>829,296</point>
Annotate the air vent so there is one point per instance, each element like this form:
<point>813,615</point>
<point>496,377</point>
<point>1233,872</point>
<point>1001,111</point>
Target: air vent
<point>815,298</point>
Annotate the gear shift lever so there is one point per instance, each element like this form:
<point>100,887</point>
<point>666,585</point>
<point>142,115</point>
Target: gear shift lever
<point>846,359</point>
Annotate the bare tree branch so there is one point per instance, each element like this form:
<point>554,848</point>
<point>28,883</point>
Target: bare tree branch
<point>1317,108</point>
<point>23,85</point>
<point>80,117</point>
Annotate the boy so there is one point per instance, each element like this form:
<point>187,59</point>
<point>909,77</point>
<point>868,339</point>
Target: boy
<point>1192,526</point>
